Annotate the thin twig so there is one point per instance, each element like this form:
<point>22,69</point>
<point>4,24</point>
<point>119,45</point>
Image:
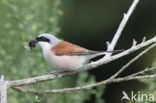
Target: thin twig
<point>121,27</point>
<point>142,72</point>
<point>132,61</point>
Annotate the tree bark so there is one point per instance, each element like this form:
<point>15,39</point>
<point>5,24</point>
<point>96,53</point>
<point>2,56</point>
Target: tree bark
<point>3,90</point>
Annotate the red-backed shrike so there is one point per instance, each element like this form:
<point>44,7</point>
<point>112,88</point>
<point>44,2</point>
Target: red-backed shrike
<point>62,55</point>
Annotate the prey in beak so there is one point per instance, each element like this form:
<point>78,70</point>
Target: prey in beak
<point>32,43</point>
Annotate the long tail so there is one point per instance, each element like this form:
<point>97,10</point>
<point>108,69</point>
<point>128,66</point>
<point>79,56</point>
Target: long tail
<point>93,54</point>
<point>115,51</point>
<point>104,52</point>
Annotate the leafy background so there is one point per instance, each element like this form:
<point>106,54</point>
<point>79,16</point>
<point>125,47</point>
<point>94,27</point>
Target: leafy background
<point>88,23</point>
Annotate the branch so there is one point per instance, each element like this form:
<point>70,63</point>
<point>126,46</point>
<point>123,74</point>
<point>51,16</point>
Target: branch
<point>121,27</point>
<point>142,72</point>
<point>3,90</point>
<point>133,60</point>
<point>69,90</point>
<point>86,67</point>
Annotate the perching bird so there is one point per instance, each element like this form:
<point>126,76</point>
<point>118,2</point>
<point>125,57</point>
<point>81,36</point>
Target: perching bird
<point>62,55</point>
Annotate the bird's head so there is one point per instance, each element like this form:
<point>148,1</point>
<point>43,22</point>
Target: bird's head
<point>45,41</point>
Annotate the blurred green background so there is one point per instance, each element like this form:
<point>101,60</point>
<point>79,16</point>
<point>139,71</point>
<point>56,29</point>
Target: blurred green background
<point>89,23</point>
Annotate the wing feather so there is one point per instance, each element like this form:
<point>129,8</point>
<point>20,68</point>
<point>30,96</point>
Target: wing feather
<point>66,48</point>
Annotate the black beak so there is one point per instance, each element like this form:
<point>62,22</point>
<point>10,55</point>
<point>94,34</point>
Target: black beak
<point>34,40</point>
<point>32,43</point>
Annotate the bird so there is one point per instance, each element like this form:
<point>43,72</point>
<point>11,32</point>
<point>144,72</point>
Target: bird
<point>63,55</point>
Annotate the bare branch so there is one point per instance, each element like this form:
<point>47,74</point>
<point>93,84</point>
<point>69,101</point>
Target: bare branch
<point>69,90</point>
<point>134,43</point>
<point>3,90</point>
<point>144,39</point>
<point>142,72</point>
<point>121,27</point>
<point>132,61</point>
<point>86,67</point>
<point>107,43</point>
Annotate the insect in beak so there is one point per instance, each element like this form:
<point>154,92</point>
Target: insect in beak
<point>32,43</point>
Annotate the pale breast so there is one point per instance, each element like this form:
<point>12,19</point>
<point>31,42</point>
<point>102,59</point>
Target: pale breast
<point>64,62</point>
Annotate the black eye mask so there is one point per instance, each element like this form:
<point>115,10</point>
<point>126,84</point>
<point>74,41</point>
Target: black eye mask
<point>42,38</point>
<point>32,43</point>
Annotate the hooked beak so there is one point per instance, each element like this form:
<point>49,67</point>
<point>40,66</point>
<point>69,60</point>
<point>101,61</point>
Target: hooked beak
<point>32,43</point>
<point>34,40</point>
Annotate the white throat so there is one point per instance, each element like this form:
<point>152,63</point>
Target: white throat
<point>45,46</point>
